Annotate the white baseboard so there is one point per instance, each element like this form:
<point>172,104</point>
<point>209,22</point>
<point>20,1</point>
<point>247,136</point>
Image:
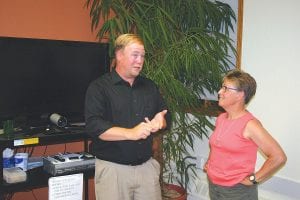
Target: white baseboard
<point>283,188</point>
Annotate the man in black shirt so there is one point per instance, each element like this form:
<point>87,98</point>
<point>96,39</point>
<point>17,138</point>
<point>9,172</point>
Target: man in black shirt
<point>122,110</point>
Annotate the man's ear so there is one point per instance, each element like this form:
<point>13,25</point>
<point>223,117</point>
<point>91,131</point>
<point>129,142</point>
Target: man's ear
<point>119,54</point>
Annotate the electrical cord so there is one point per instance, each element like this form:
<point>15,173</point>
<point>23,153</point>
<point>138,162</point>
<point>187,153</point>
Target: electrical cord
<point>33,195</point>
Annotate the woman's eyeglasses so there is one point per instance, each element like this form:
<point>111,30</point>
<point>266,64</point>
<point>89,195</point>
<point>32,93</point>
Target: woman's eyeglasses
<point>226,88</point>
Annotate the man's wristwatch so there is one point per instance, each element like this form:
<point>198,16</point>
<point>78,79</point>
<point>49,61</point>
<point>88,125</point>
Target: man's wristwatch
<point>252,178</point>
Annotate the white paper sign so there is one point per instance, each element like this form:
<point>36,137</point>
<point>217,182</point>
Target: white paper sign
<point>69,187</point>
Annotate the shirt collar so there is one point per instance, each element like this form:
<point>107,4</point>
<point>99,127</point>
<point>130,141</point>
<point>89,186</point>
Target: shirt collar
<point>116,79</point>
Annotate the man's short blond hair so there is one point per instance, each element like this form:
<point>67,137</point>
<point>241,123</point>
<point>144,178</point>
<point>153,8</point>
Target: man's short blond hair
<point>125,39</point>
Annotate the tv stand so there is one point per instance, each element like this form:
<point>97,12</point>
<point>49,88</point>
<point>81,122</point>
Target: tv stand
<point>38,178</point>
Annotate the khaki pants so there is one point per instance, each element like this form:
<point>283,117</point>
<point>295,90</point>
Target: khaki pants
<point>124,182</point>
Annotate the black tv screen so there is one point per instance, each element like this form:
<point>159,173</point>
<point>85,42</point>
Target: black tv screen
<point>39,77</point>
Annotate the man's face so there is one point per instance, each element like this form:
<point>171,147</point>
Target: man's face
<point>130,60</point>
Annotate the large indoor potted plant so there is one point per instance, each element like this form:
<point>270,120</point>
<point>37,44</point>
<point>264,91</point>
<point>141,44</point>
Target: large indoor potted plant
<point>187,50</point>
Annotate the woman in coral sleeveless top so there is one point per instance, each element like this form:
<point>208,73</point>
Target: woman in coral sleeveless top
<point>235,141</point>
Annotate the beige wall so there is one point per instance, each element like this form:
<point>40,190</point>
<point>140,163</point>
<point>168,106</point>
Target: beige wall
<point>46,19</point>
<point>49,19</point>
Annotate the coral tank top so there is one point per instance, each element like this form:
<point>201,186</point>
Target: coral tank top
<point>232,157</point>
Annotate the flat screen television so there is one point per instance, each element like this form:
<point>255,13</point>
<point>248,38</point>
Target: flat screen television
<point>39,77</point>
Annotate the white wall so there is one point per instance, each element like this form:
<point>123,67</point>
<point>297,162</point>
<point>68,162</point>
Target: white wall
<point>271,53</point>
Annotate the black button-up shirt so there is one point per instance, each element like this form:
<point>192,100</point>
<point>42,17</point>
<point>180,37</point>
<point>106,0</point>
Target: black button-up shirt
<point>111,101</point>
